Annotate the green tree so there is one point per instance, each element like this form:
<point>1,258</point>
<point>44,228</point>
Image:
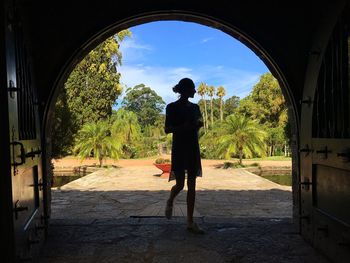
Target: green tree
<point>266,104</point>
<point>220,93</point>
<point>63,128</point>
<point>89,92</point>
<point>126,125</point>
<point>202,91</point>
<point>145,102</point>
<point>93,86</point>
<point>230,105</point>
<point>242,136</point>
<point>94,139</point>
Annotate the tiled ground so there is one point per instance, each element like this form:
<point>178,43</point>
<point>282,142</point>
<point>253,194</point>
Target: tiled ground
<point>117,216</point>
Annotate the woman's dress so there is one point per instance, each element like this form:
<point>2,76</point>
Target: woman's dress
<point>185,153</point>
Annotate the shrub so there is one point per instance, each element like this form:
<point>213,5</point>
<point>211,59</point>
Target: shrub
<point>227,165</point>
<point>162,160</point>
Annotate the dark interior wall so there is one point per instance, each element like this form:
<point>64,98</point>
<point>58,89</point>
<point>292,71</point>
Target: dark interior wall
<point>58,31</point>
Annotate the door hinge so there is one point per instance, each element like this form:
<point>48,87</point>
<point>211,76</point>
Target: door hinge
<point>307,150</point>
<point>306,184</point>
<point>19,208</point>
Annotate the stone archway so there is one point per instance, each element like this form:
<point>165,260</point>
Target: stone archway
<point>203,20</point>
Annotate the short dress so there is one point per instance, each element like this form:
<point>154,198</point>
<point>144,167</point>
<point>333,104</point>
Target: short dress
<point>185,152</point>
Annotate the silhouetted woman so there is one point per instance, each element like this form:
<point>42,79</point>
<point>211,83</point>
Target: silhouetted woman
<point>183,120</point>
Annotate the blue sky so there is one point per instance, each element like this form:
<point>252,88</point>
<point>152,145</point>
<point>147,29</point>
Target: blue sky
<point>159,54</point>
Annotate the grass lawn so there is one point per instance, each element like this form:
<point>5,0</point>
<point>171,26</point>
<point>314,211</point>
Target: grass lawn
<point>271,158</point>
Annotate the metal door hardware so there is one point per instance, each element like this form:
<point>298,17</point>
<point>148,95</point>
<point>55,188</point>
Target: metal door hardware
<point>307,101</point>
<point>19,208</point>
<point>306,150</point>
<point>345,155</point>
<point>33,153</point>
<point>306,184</point>
<point>324,151</point>
<point>21,156</point>
<point>40,184</point>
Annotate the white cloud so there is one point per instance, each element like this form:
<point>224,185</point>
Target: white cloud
<point>162,79</point>
<point>157,78</point>
<point>205,40</point>
<point>132,50</point>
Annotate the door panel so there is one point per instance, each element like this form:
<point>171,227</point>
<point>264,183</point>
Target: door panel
<point>331,185</point>
<point>25,141</point>
<point>325,148</point>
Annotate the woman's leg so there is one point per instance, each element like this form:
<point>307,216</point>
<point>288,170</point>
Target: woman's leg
<point>176,189</point>
<point>191,197</point>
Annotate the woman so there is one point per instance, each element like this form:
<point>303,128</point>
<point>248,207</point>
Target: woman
<point>183,120</point>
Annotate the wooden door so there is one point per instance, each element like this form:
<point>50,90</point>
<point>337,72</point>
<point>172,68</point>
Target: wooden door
<point>325,146</point>
<point>25,143</point>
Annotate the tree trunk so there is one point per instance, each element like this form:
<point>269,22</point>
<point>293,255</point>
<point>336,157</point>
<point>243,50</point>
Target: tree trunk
<point>206,113</point>
<point>285,150</point>
<point>204,118</point>
<point>221,113</point>
<point>100,161</point>
<point>211,112</point>
<point>240,157</point>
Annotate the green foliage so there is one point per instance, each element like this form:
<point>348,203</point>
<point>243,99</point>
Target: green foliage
<point>228,165</point>
<point>94,139</point>
<point>242,136</point>
<point>126,128</point>
<point>63,129</point>
<point>230,105</point>
<point>89,92</point>
<point>145,102</point>
<point>93,86</point>
<point>267,105</point>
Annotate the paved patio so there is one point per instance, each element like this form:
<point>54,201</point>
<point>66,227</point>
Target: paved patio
<point>117,215</point>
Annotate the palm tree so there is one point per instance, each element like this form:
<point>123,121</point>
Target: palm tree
<point>202,90</point>
<point>221,92</point>
<point>125,125</point>
<point>211,92</point>
<point>242,136</point>
<point>95,138</point>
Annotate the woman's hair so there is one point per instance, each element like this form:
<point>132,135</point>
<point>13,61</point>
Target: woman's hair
<point>183,85</point>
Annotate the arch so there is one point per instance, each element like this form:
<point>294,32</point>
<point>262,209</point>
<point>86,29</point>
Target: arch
<point>203,19</point>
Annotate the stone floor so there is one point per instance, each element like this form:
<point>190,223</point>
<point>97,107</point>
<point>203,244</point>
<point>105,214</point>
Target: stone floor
<point>116,215</point>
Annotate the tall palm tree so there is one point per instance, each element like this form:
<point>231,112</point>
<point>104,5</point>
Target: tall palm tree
<point>202,91</point>
<point>242,136</point>
<point>94,138</point>
<point>211,92</point>
<point>221,92</point>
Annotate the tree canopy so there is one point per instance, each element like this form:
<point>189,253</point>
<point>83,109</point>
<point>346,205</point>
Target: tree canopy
<point>145,102</point>
<point>89,92</point>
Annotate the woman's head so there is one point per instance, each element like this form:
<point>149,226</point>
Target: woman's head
<point>185,87</point>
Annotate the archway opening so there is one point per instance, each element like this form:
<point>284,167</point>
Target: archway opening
<point>233,32</point>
